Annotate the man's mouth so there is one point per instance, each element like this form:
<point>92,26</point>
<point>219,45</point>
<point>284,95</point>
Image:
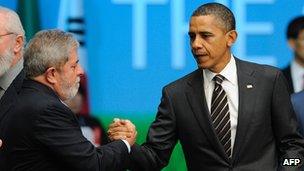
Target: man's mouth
<point>200,55</point>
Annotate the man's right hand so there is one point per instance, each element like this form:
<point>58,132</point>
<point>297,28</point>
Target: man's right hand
<point>122,129</point>
<point>0,143</point>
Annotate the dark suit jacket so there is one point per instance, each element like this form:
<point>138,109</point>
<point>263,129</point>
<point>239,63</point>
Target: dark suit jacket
<point>267,129</point>
<point>297,100</point>
<point>7,101</point>
<point>287,73</point>
<point>43,134</point>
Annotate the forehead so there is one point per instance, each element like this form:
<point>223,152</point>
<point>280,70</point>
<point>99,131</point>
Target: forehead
<point>2,21</point>
<point>73,57</point>
<point>204,22</point>
<point>301,34</point>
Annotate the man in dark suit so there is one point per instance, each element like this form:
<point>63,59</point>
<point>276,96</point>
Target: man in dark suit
<point>42,133</point>
<point>228,114</point>
<point>297,100</point>
<point>11,53</point>
<point>294,72</point>
<point>11,64</point>
<point>11,48</point>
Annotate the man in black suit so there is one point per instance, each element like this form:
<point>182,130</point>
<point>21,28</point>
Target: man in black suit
<point>11,57</point>
<point>228,114</point>
<point>294,72</point>
<point>42,133</point>
<point>11,64</point>
<point>11,48</point>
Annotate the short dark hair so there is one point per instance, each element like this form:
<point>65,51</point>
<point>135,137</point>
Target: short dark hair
<point>295,26</point>
<point>220,11</point>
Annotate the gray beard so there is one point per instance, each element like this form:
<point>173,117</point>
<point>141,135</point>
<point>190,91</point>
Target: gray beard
<point>70,91</point>
<point>6,60</point>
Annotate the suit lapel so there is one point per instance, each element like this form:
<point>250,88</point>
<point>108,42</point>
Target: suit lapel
<point>197,101</point>
<point>247,91</point>
<point>6,102</point>
<point>10,95</point>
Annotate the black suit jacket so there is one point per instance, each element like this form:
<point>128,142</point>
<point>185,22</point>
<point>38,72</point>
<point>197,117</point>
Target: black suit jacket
<point>267,129</point>
<point>7,101</point>
<point>10,95</point>
<point>287,73</point>
<point>43,134</point>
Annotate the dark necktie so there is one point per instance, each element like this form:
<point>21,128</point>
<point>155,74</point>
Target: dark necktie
<point>220,114</point>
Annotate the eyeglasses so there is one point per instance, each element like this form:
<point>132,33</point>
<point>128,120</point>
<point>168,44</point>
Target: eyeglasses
<point>9,33</point>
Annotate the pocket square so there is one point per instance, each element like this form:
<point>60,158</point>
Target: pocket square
<point>249,86</point>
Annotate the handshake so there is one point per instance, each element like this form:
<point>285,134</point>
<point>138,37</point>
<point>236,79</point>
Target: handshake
<point>122,130</point>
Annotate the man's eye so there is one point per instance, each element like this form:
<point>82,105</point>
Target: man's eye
<point>206,35</point>
<point>191,36</point>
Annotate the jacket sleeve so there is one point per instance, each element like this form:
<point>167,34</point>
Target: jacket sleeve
<point>57,129</point>
<point>155,153</point>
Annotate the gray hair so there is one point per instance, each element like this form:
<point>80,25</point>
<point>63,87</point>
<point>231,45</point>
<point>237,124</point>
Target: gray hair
<point>48,48</point>
<point>221,12</point>
<point>13,24</point>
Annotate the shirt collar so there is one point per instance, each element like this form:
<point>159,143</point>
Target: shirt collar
<point>229,72</point>
<point>298,68</point>
<point>64,103</point>
<point>7,78</point>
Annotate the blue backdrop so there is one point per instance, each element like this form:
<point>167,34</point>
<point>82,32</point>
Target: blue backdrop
<point>135,47</point>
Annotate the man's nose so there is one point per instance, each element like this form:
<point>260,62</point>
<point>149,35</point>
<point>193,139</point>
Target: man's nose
<point>197,43</point>
<point>80,70</point>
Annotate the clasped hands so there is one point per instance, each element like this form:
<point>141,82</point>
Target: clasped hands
<point>122,129</point>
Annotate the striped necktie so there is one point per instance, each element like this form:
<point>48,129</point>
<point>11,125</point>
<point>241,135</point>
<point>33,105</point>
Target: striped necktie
<point>220,114</point>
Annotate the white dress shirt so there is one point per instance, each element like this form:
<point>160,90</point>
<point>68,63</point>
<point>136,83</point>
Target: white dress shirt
<point>230,85</point>
<point>128,145</point>
<point>297,76</point>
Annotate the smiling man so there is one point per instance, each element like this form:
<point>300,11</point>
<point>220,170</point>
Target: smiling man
<point>42,132</point>
<point>228,114</point>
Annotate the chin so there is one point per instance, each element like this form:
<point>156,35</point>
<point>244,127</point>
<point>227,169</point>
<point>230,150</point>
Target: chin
<point>203,66</point>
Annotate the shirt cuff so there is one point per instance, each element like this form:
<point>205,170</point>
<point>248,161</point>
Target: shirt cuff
<point>128,145</point>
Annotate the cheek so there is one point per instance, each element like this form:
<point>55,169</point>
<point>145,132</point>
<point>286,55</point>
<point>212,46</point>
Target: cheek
<point>69,77</point>
<point>219,47</point>
<point>300,50</point>
<point>75,77</point>
<point>301,47</point>
<point>191,46</point>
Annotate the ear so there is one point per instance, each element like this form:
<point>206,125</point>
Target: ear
<point>292,43</point>
<point>50,75</point>
<point>231,37</point>
<point>19,44</point>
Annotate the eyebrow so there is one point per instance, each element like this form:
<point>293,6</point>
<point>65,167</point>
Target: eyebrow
<point>201,32</point>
